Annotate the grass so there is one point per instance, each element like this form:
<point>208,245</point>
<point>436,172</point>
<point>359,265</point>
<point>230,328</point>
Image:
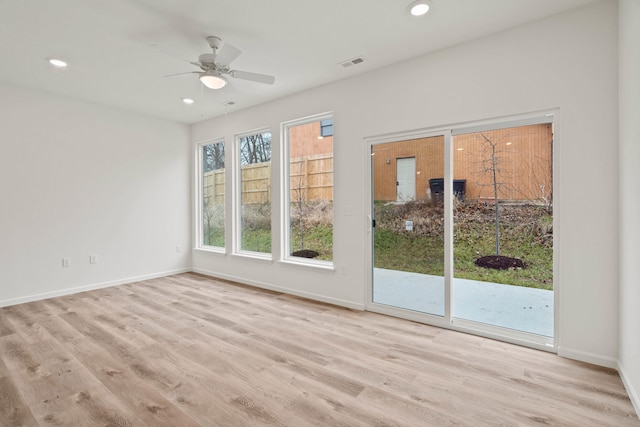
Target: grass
<point>408,252</point>
<point>215,238</point>
<point>318,238</point>
<point>526,233</point>
<point>471,244</point>
<point>256,240</point>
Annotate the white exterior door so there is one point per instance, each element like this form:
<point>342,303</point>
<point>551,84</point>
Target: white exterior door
<point>406,179</point>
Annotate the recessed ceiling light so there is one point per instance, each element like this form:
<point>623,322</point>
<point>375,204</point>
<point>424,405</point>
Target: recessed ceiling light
<point>188,101</point>
<point>58,63</point>
<point>419,7</point>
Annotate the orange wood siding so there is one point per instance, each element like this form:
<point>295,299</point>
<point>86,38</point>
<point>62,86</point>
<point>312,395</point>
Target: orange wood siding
<point>429,154</point>
<point>304,141</point>
<point>524,159</point>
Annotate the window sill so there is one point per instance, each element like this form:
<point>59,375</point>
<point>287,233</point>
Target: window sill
<point>256,256</point>
<point>325,266</point>
<point>211,250</point>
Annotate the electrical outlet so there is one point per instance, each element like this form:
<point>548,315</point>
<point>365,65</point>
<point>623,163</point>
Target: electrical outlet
<point>66,262</point>
<point>93,259</point>
<point>179,249</point>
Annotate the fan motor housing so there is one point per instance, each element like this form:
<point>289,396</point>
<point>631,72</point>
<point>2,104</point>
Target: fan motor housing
<point>207,59</point>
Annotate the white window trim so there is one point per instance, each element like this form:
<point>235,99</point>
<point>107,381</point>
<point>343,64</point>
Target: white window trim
<point>236,199</point>
<point>198,197</point>
<point>285,192</point>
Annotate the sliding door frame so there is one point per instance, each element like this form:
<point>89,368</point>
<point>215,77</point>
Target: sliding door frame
<point>449,321</point>
<point>432,319</point>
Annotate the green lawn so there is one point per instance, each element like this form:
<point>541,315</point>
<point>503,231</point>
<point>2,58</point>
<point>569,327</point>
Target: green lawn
<point>406,252</point>
<point>525,233</point>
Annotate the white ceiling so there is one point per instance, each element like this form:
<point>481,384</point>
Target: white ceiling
<point>119,50</point>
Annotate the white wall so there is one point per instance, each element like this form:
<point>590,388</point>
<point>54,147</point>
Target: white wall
<point>567,61</point>
<point>79,179</point>
<point>629,363</point>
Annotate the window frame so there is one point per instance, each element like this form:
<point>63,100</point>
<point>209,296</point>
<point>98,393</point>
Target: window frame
<point>285,195</point>
<point>539,342</point>
<point>236,195</point>
<point>199,197</point>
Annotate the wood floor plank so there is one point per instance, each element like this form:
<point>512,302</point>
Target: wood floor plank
<point>5,326</point>
<point>13,410</point>
<point>192,378</point>
<point>192,350</point>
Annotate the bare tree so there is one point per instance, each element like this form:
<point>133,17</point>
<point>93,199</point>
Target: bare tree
<point>255,148</point>
<point>213,158</point>
<point>299,188</point>
<point>208,215</point>
<point>491,166</point>
<point>539,172</point>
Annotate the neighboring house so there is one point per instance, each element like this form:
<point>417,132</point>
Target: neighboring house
<point>406,170</point>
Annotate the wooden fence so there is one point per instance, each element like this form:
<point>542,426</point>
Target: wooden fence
<point>213,186</point>
<point>311,179</point>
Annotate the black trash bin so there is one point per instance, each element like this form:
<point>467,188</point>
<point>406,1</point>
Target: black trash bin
<point>459,188</point>
<point>436,185</point>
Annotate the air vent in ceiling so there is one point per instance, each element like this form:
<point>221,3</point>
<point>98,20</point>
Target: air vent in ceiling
<point>353,61</point>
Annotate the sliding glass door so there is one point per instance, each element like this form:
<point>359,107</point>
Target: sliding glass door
<point>408,249</point>
<point>462,228</point>
<point>503,228</point>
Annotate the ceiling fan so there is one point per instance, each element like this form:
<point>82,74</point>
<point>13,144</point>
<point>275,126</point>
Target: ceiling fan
<point>216,65</point>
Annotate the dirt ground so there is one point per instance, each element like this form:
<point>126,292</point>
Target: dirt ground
<point>428,220</point>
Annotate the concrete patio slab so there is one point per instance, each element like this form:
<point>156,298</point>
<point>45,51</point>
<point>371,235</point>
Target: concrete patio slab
<point>514,307</point>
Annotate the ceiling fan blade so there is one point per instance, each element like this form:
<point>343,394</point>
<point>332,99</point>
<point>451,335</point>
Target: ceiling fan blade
<point>254,77</point>
<point>227,54</point>
<point>167,52</point>
<point>180,74</point>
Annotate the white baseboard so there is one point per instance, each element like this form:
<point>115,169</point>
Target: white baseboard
<point>271,287</point>
<point>583,356</point>
<point>91,287</point>
<point>633,393</point>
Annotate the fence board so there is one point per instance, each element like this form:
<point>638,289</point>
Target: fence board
<point>312,175</point>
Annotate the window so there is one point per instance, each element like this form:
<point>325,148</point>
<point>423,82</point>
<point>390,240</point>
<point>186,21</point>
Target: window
<point>326,127</point>
<point>254,158</point>
<point>211,165</point>
<point>308,192</point>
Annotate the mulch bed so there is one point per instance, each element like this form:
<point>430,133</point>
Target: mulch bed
<point>499,262</point>
<point>305,253</point>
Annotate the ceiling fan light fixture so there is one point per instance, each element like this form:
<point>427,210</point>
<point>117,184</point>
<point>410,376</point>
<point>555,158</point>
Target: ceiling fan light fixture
<point>419,7</point>
<point>213,80</point>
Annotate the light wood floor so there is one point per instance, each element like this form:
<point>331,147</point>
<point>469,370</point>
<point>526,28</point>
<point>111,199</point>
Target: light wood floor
<point>189,350</point>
